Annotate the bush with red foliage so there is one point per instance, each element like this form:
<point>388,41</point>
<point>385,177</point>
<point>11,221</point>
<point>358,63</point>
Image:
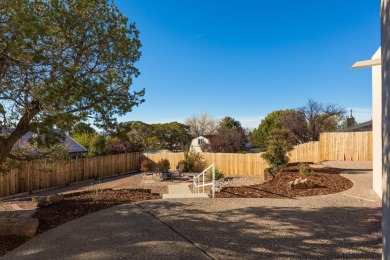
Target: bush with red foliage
<point>228,140</point>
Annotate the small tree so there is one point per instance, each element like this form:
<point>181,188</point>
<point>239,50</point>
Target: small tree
<point>217,174</point>
<point>279,144</point>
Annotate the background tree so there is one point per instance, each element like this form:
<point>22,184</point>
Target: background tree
<point>81,128</point>
<point>140,129</point>
<point>343,122</point>
<point>259,136</point>
<point>228,140</point>
<point>306,123</point>
<point>295,122</point>
<point>119,146</point>
<point>201,125</point>
<point>229,123</point>
<point>61,62</point>
<point>172,136</point>
<point>135,132</point>
<point>95,143</point>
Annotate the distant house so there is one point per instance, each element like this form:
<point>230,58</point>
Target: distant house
<point>365,126</point>
<point>74,148</point>
<point>197,143</point>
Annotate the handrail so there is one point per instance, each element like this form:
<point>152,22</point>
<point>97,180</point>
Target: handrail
<point>202,174</point>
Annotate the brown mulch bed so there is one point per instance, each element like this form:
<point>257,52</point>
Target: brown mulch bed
<point>76,206</point>
<point>328,180</point>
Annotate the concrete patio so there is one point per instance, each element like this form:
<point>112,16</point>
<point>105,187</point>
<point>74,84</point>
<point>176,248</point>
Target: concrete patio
<point>343,225</point>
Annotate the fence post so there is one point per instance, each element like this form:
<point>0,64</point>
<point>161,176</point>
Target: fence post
<point>213,186</point>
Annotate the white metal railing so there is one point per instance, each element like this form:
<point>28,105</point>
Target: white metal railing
<point>201,183</point>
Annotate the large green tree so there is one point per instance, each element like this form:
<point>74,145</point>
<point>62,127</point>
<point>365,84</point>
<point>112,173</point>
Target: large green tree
<point>82,128</point>
<point>229,123</point>
<point>259,136</point>
<point>172,136</point>
<point>61,62</point>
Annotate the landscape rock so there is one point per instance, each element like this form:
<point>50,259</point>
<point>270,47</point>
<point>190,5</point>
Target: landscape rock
<point>301,183</point>
<point>46,201</point>
<point>41,201</point>
<point>24,227</point>
<point>52,199</point>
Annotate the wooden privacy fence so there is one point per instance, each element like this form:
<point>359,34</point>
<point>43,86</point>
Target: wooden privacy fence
<point>307,152</point>
<point>355,146</point>
<point>173,158</point>
<point>345,146</point>
<point>237,164</point>
<point>35,176</point>
<point>339,146</point>
<point>342,146</point>
<point>229,163</point>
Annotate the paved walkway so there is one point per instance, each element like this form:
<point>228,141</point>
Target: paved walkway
<point>349,165</point>
<point>181,191</point>
<point>343,225</point>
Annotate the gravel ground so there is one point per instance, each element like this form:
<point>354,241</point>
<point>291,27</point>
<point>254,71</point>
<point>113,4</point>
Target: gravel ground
<point>5,206</point>
<point>337,226</point>
<point>341,225</point>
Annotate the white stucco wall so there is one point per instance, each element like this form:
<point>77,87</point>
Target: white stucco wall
<point>377,125</point>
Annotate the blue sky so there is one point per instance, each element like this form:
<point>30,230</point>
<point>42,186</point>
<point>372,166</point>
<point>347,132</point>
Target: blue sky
<point>247,58</point>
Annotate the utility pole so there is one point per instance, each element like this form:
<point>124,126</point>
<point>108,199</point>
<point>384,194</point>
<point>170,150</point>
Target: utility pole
<point>385,43</point>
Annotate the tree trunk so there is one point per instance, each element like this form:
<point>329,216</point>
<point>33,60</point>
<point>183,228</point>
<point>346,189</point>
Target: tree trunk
<point>21,129</point>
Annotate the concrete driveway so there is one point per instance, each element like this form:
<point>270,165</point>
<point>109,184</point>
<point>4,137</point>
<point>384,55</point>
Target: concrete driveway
<point>343,225</point>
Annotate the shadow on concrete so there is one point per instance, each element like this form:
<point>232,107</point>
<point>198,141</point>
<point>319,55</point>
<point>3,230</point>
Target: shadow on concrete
<point>276,232</point>
<point>221,228</point>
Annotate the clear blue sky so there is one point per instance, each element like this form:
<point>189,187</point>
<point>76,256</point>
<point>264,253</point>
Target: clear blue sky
<point>247,58</point>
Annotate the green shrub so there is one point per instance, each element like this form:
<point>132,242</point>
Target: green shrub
<point>218,174</point>
<point>194,162</point>
<point>182,162</point>
<point>165,165</point>
<point>305,170</point>
<point>146,165</point>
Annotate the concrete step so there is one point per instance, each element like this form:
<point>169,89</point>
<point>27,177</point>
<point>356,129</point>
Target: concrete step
<point>182,191</point>
<point>184,196</point>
